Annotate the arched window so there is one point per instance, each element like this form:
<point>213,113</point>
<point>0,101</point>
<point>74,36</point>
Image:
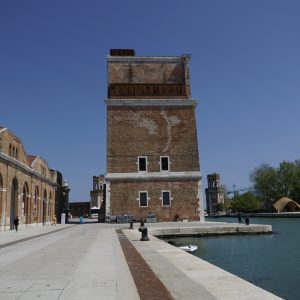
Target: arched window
<point>14,152</point>
<point>10,150</point>
<point>17,154</point>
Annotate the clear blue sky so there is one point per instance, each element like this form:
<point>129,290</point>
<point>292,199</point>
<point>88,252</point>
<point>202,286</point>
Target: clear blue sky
<point>245,72</point>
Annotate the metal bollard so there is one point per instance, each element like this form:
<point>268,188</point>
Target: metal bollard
<point>144,232</point>
<point>131,225</point>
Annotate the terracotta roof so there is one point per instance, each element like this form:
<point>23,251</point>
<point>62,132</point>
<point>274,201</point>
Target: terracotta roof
<point>30,159</point>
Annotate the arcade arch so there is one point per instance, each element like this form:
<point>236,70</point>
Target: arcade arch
<point>14,200</point>
<point>35,205</point>
<point>51,207</point>
<point>44,206</point>
<point>27,185</point>
<point>26,204</point>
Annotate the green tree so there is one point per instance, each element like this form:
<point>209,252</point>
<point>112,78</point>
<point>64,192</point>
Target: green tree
<point>286,179</point>
<point>265,181</point>
<point>246,202</point>
<point>227,205</point>
<point>295,193</point>
<point>219,207</point>
<point>270,184</point>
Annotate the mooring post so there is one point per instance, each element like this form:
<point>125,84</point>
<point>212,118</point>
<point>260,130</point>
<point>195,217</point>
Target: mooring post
<point>144,231</point>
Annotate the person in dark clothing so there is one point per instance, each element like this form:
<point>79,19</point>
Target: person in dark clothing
<point>16,223</point>
<point>247,222</point>
<point>239,217</point>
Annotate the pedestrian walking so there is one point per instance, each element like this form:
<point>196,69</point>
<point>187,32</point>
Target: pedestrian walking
<point>16,223</point>
<point>247,221</point>
<point>54,221</point>
<point>81,219</point>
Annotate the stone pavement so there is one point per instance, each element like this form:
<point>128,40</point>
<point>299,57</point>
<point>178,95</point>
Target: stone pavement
<point>11,237</point>
<point>189,277</point>
<point>78,262</point>
<point>87,262</point>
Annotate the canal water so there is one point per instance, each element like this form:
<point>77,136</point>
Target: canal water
<point>270,261</point>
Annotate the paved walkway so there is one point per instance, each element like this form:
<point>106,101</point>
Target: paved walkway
<point>79,262</point>
<point>87,262</point>
<point>11,237</point>
<point>189,277</point>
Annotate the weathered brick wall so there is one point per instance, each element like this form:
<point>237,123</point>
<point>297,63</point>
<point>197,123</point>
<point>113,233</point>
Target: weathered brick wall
<point>42,167</point>
<point>78,209</point>
<point>151,132</point>
<point>148,77</point>
<point>9,139</point>
<point>125,196</point>
<point>146,72</point>
<point>8,173</point>
<point>27,184</point>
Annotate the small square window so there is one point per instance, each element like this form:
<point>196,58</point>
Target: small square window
<point>143,199</point>
<point>166,198</point>
<point>142,164</point>
<point>164,163</point>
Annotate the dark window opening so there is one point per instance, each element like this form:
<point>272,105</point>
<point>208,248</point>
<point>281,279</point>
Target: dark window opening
<point>143,199</point>
<point>142,164</point>
<point>164,162</point>
<point>166,198</point>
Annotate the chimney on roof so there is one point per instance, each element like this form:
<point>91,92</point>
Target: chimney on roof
<point>122,52</point>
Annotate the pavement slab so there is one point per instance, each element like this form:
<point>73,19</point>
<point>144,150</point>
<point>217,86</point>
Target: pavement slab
<point>87,262</point>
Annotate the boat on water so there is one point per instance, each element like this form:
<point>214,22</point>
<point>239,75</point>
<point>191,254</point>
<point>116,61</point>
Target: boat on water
<point>187,248</point>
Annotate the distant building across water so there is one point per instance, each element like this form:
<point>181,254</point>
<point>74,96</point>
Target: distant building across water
<point>214,194</point>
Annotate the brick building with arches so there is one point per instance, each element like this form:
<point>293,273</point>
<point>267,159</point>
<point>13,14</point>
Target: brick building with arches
<point>29,189</point>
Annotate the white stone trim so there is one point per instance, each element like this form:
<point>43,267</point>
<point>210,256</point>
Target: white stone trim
<point>194,175</point>
<point>151,102</point>
<point>34,161</point>
<point>3,129</point>
<point>169,163</point>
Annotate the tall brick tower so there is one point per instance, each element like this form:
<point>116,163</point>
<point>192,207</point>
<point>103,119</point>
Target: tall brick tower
<point>152,150</point>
